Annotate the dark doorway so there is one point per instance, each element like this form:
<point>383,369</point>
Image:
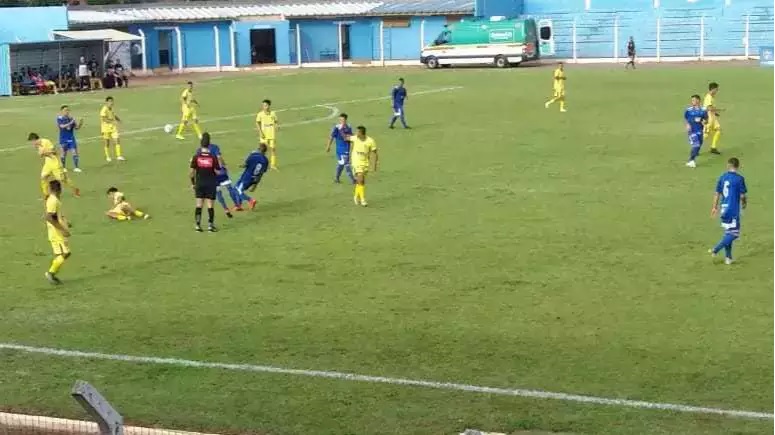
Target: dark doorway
<point>262,46</point>
<point>345,41</point>
<point>165,37</point>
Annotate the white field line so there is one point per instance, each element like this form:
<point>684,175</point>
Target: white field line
<point>333,113</point>
<point>243,115</point>
<point>516,392</point>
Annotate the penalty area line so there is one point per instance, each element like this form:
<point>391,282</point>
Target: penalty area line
<point>353,377</point>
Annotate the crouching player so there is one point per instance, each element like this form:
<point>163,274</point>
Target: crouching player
<point>255,166</point>
<point>121,209</point>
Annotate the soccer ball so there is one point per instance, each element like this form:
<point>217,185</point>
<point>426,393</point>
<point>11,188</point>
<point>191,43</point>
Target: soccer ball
<point>168,128</point>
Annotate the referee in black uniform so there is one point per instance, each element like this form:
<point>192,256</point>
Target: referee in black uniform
<point>204,172</point>
<point>630,53</point>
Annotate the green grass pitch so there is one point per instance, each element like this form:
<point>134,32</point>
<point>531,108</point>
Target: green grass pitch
<point>505,245</point>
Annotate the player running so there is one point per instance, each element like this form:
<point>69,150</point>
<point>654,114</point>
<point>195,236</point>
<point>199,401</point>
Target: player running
<point>398,96</point>
<point>267,125</point>
<point>255,166</point>
<point>341,133</point>
<point>109,129</point>
<point>558,87</point>
<point>67,126</point>
<point>363,151</point>
<point>58,231</point>
<point>695,117</point>
<point>728,202</point>
<point>121,209</point>
<point>223,179</point>
<point>52,165</point>
<point>713,127</point>
<point>188,106</point>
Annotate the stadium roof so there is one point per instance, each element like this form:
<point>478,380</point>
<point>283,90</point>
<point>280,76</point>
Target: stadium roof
<point>204,11</point>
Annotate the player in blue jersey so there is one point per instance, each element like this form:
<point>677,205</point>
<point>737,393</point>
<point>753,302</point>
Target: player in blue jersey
<point>341,134</point>
<point>255,166</point>
<point>695,117</point>
<point>223,180</point>
<point>398,96</point>
<point>728,203</point>
<point>67,126</point>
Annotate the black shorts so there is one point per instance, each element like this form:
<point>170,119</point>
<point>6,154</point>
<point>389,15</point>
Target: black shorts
<point>205,191</point>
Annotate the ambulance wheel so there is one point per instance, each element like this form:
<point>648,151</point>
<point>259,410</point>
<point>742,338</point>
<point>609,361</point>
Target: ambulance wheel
<point>432,62</point>
<point>501,62</point>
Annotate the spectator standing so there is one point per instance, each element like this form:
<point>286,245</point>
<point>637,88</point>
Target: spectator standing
<point>83,74</point>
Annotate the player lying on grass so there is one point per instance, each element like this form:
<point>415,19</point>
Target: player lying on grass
<point>122,210</point>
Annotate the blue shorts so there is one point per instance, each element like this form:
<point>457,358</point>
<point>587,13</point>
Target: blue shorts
<point>343,158</point>
<point>731,225</point>
<point>398,110</point>
<point>69,145</point>
<point>223,179</point>
<point>695,139</point>
<point>246,183</point>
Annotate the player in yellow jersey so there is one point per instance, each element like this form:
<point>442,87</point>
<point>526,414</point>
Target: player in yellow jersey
<point>558,87</point>
<point>58,231</point>
<point>713,127</point>
<point>121,210</point>
<point>52,165</point>
<point>188,106</point>
<point>363,154</point>
<point>109,129</point>
<point>267,125</point>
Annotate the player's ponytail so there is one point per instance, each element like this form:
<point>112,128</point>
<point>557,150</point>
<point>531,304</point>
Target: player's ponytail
<point>205,141</point>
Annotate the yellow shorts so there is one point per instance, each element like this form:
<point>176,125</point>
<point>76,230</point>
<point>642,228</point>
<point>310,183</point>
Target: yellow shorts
<point>60,247</point>
<point>559,92</point>
<point>361,168</point>
<point>120,208</point>
<point>271,143</point>
<point>110,133</point>
<point>713,125</point>
<point>189,114</point>
<point>52,170</point>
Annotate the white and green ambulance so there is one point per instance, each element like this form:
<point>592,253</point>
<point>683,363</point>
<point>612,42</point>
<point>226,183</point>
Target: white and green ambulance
<point>499,42</point>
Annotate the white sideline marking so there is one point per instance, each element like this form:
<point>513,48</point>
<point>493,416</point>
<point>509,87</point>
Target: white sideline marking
<point>333,113</point>
<point>243,115</point>
<point>517,392</point>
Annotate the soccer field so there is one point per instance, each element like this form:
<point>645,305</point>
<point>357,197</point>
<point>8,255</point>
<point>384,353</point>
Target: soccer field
<point>505,245</point>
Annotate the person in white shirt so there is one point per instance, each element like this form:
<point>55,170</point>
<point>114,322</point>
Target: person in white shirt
<point>83,74</point>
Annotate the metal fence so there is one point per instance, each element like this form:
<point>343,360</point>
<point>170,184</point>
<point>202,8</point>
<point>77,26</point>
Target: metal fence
<point>105,420</point>
<point>600,36</point>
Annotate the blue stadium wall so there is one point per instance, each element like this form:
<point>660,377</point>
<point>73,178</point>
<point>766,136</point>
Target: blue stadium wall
<point>680,22</point>
<point>31,24</point>
<point>319,39</point>
<point>198,42</point>
<point>26,25</point>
